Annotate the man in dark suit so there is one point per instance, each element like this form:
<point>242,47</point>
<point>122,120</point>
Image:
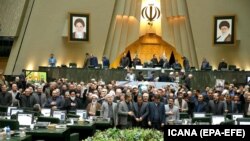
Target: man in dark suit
<point>222,65</point>
<point>5,97</point>
<point>141,112</point>
<point>136,61</point>
<point>186,63</point>
<point>205,64</point>
<point>55,102</point>
<point>86,60</point>
<point>200,105</point>
<point>216,106</point>
<point>105,62</point>
<point>154,60</point>
<point>73,103</point>
<point>27,99</point>
<point>156,116</point>
<point>124,62</point>
<point>93,61</point>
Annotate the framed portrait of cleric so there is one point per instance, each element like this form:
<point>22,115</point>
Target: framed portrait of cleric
<point>224,30</point>
<point>78,27</point>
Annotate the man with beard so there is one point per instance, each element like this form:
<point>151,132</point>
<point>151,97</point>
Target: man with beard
<point>93,106</point>
<point>40,96</point>
<point>27,99</point>
<point>73,103</point>
<point>55,102</point>
<point>109,109</point>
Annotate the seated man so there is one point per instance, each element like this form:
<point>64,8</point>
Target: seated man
<point>222,65</point>
<point>205,64</point>
<point>136,61</point>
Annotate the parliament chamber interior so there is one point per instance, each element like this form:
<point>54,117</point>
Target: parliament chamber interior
<point>121,69</point>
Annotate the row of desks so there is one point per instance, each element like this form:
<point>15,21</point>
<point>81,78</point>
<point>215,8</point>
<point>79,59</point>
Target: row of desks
<point>63,134</point>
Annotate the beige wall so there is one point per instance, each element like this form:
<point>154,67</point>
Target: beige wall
<point>114,25</point>
<point>10,15</point>
<point>201,16</point>
<point>44,34</point>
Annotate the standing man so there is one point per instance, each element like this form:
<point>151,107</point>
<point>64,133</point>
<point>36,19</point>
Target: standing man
<point>222,65</point>
<point>124,62</point>
<point>5,97</point>
<point>52,60</point>
<point>125,112</point>
<point>14,91</point>
<point>141,112</point>
<point>40,96</point>
<point>172,111</point>
<point>156,116</point>
<point>73,103</point>
<point>136,61</point>
<point>27,99</point>
<point>86,61</point>
<point>216,106</point>
<point>109,109</point>
<point>93,61</point>
<point>105,62</point>
<point>186,63</point>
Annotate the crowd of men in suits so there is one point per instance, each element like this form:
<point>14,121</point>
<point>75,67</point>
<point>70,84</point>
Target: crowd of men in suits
<point>127,106</point>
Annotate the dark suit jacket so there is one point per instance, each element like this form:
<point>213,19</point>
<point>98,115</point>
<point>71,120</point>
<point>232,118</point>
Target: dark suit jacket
<point>216,111</point>
<point>59,102</point>
<point>202,108</point>
<point>93,61</point>
<point>222,65</point>
<point>124,62</point>
<point>5,99</point>
<point>68,102</point>
<point>29,101</point>
<point>152,109</point>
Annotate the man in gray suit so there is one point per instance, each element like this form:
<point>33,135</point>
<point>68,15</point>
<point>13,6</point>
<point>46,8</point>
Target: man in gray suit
<point>141,112</point>
<point>172,111</point>
<point>40,96</point>
<point>216,106</point>
<point>109,109</point>
<point>125,112</point>
<point>14,91</point>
